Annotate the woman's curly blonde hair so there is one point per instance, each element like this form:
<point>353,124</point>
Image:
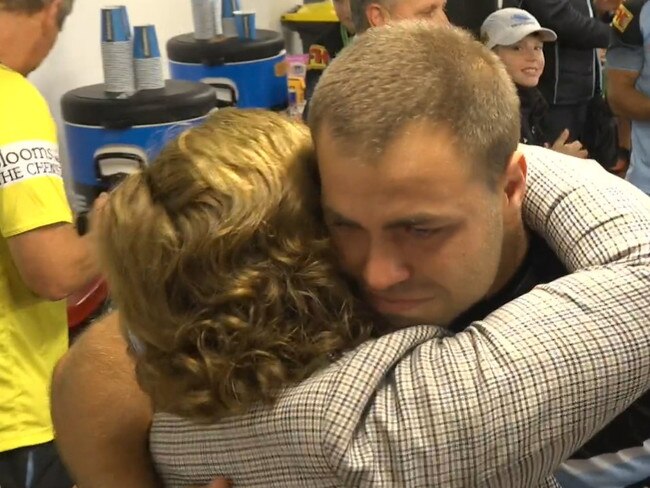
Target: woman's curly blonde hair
<point>220,270</point>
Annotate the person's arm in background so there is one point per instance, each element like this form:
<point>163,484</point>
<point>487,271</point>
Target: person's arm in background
<point>624,130</point>
<point>623,97</point>
<point>53,261</point>
<point>35,218</point>
<point>101,417</point>
<point>573,29</point>
<point>625,59</point>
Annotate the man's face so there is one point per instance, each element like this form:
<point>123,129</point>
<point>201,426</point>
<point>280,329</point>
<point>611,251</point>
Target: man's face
<point>432,10</point>
<point>342,8</point>
<point>418,230</point>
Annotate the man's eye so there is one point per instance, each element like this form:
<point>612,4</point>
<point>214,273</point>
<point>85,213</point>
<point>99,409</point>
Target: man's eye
<point>422,232</point>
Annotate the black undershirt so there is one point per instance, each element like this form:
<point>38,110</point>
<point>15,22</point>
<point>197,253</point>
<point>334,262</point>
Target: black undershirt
<point>540,266</point>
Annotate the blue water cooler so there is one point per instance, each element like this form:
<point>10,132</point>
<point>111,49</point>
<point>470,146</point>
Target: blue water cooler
<point>109,137</point>
<point>246,73</point>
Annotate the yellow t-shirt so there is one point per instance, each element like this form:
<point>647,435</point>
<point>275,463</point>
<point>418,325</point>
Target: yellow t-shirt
<point>33,331</point>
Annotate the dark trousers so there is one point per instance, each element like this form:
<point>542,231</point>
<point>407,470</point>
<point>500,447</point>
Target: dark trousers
<point>560,117</point>
<point>33,467</point>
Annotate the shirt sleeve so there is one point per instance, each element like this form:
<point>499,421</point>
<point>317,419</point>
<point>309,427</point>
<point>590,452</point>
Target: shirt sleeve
<point>625,57</point>
<point>625,50</point>
<point>506,401</point>
<point>32,192</point>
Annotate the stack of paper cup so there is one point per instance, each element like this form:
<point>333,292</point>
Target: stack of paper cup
<point>228,17</point>
<point>218,21</point>
<point>117,51</point>
<point>204,13</point>
<point>146,58</point>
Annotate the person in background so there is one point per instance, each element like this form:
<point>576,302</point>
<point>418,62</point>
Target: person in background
<point>376,13</point>
<point>518,39</point>
<point>42,259</point>
<point>628,82</point>
<point>328,46</point>
<point>571,81</point>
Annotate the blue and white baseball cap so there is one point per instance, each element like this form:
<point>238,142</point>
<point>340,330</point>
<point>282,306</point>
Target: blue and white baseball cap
<point>508,26</point>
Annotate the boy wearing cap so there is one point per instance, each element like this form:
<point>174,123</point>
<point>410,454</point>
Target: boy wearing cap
<point>517,38</point>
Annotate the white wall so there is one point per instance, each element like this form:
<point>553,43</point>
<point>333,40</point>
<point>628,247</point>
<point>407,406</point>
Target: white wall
<point>76,60</point>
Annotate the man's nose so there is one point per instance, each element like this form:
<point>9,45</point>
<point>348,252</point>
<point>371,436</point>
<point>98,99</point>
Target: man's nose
<point>384,268</point>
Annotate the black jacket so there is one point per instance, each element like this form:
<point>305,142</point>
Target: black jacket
<point>470,14</point>
<point>533,110</point>
<point>571,74</point>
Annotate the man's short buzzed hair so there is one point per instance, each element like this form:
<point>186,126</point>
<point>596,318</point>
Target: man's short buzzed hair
<point>33,6</point>
<point>412,72</point>
<point>358,12</point>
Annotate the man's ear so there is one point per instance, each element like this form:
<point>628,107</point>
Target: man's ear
<point>514,181</point>
<point>53,13</point>
<point>377,15</point>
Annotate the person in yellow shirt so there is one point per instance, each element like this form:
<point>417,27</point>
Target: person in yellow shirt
<point>42,259</point>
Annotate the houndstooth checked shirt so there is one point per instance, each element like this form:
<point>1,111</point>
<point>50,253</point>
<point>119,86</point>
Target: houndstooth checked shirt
<point>501,404</point>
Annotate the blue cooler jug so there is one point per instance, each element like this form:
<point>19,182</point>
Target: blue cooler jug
<point>247,73</point>
<point>109,137</point>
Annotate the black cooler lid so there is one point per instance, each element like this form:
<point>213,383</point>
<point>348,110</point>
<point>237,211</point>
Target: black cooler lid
<point>222,50</point>
<point>178,101</point>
